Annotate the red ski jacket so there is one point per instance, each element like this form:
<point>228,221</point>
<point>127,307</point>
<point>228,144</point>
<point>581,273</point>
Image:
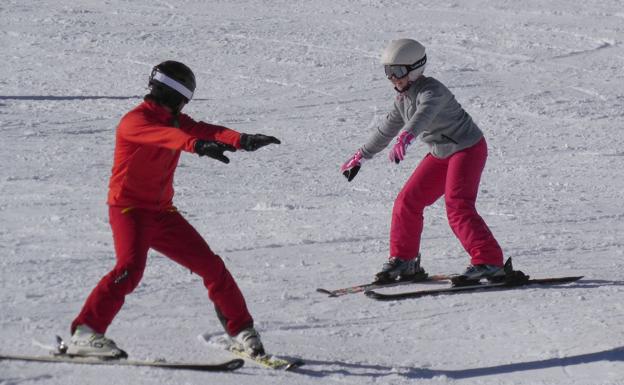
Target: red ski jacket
<point>147,149</point>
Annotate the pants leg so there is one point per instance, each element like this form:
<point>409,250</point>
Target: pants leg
<point>179,241</point>
<point>422,189</point>
<point>462,185</point>
<point>131,234</point>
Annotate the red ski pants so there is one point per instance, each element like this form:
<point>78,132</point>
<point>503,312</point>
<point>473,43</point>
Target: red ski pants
<point>457,178</point>
<point>135,231</point>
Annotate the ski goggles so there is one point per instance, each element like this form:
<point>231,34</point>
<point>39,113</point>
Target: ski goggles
<point>399,71</point>
<point>396,71</point>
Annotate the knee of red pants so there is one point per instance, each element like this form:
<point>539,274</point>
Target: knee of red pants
<point>460,209</point>
<point>123,279</point>
<point>107,297</point>
<point>407,204</point>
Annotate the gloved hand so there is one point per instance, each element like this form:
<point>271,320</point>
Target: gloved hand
<point>213,149</point>
<point>253,142</point>
<point>397,153</point>
<point>351,167</point>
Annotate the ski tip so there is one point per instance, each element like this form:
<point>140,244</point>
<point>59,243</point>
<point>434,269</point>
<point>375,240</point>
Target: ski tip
<point>325,291</point>
<point>235,364</point>
<point>294,365</point>
<point>379,296</point>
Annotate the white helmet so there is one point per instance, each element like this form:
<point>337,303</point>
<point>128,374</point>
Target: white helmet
<point>405,53</point>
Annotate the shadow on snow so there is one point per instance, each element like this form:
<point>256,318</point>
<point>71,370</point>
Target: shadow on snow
<point>365,370</point>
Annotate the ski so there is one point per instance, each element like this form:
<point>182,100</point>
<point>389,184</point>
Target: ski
<point>225,366</point>
<point>268,360</point>
<point>58,354</point>
<point>372,286</point>
<point>506,284</point>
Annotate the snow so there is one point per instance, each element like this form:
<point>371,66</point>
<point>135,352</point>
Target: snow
<point>543,79</point>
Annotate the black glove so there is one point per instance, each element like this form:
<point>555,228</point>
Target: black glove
<point>351,173</point>
<point>213,149</point>
<point>255,141</point>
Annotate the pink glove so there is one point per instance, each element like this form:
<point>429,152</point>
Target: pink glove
<point>397,153</point>
<point>351,167</point>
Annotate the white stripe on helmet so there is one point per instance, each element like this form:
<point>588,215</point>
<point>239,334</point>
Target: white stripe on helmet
<point>159,76</point>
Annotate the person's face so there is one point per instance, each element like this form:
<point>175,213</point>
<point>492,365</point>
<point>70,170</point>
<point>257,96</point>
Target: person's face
<point>399,76</point>
<point>401,83</point>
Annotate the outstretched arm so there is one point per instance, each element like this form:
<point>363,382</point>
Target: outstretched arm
<point>380,138</point>
<point>383,133</point>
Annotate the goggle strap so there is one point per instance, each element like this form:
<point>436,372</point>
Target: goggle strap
<point>419,63</point>
<point>166,80</point>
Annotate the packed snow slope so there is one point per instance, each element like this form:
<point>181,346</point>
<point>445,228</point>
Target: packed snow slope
<point>543,79</point>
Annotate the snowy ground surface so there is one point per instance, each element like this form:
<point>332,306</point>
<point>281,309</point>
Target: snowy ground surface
<point>543,79</point>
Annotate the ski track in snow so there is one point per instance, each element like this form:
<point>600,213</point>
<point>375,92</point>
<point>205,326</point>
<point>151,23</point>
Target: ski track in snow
<point>542,79</point>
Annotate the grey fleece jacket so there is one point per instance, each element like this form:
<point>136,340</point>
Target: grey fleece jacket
<point>430,110</point>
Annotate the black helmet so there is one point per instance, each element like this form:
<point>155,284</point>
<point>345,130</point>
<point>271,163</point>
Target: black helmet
<point>172,83</point>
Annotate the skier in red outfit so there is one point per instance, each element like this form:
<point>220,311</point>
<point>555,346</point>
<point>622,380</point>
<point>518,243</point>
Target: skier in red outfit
<point>425,108</point>
<point>149,141</point>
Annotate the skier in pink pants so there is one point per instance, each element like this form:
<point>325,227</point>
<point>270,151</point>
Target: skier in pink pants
<point>425,107</point>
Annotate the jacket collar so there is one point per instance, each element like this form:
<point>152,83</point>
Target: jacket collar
<point>161,112</point>
<point>412,89</point>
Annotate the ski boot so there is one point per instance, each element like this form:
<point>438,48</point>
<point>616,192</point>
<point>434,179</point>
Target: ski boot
<point>475,273</point>
<point>87,343</point>
<point>248,341</point>
<point>397,269</point>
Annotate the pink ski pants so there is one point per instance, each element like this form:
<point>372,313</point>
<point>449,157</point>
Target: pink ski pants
<point>457,178</point>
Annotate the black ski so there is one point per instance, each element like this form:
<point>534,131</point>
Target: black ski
<point>60,358</point>
<point>371,286</point>
<point>513,282</point>
<point>58,354</point>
